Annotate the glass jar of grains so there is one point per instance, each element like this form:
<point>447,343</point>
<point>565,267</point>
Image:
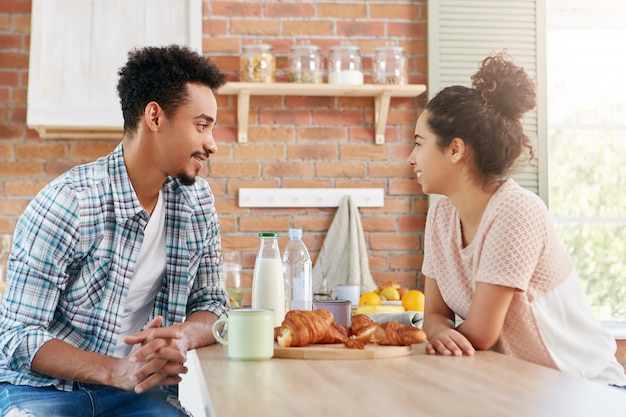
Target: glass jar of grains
<point>305,64</point>
<point>390,66</point>
<point>257,63</point>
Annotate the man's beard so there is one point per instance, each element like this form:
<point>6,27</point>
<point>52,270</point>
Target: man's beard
<point>186,179</point>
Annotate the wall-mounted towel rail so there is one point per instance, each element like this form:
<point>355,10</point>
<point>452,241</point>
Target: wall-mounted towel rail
<point>309,197</point>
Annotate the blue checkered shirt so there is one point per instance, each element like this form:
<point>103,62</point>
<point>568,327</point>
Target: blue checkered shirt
<point>75,250</point>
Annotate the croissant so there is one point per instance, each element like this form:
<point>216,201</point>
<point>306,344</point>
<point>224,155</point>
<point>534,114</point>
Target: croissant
<point>361,331</point>
<point>302,328</point>
<point>396,334</point>
<point>365,330</point>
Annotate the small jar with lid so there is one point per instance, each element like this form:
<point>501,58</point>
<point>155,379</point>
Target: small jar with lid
<point>345,65</point>
<point>305,64</point>
<point>257,63</point>
<point>390,66</point>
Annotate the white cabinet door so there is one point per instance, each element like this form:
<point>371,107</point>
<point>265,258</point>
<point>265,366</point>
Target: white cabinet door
<point>77,48</point>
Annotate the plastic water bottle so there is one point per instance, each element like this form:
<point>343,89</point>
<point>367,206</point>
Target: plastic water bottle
<point>298,273</point>
<point>268,288</point>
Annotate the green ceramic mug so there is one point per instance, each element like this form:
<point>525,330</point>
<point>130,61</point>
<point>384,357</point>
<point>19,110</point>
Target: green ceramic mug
<point>250,333</point>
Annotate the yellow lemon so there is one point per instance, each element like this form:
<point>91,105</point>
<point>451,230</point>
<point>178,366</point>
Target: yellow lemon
<point>390,294</point>
<point>413,301</point>
<point>369,299</point>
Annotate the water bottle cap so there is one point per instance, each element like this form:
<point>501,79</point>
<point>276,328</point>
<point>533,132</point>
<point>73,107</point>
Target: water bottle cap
<point>295,233</point>
<point>268,234</point>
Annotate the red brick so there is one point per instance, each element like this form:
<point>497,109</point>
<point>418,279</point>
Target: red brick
<point>341,169</point>
<point>12,207</point>
<point>404,187</point>
<point>9,78</point>
<point>221,44</point>
<point>5,22</point>
<point>369,152</point>
<point>339,10</point>
<point>21,24</point>
<point>258,151</point>
<point>397,11</point>
<point>255,27</point>
<point>21,188</point>
<point>45,151</point>
<point>412,223</point>
<point>90,151</point>
<point>317,151</point>
<point>10,41</point>
<point>287,169</point>
<point>212,27</point>
<point>333,117</point>
<point>11,131</point>
<point>354,29</point>
<point>20,169</point>
<point>285,117</point>
<point>13,60</point>
<point>15,6</point>
<point>312,28</point>
<point>231,8</point>
<point>302,10</point>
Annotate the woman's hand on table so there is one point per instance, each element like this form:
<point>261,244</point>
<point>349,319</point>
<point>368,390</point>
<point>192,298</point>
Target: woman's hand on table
<point>449,342</point>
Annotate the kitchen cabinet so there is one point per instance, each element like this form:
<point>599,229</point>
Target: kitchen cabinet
<point>381,94</point>
<point>77,48</point>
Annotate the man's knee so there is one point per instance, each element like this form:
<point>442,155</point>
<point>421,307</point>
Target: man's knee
<point>19,412</point>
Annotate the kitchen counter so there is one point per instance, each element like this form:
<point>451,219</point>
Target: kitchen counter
<point>487,384</point>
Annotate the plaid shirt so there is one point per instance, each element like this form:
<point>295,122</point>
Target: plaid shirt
<point>74,253</point>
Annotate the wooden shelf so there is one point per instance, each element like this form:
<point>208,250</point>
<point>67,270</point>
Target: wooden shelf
<point>381,93</point>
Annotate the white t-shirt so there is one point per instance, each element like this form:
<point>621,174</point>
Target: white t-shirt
<point>147,279</point>
<point>549,321</point>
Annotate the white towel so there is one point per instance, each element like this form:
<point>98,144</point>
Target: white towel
<point>343,257</point>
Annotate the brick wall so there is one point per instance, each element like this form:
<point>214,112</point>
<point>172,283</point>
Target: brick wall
<point>293,141</point>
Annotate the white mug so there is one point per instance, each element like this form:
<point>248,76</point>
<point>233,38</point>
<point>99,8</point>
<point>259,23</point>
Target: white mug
<point>348,292</point>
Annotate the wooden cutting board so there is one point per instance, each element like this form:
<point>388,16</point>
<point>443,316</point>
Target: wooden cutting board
<point>339,351</point>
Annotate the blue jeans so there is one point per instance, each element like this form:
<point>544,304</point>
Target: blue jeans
<point>87,400</point>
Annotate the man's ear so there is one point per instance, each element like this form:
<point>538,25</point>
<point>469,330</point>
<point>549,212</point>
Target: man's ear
<point>152,115</point>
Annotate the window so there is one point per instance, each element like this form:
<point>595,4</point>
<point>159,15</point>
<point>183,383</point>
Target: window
<point>586,66</point>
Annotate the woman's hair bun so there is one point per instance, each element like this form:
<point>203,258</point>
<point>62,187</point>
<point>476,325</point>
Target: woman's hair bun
<point>505,87</point>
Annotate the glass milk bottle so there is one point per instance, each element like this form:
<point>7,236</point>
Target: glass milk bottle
<point>345,65</point>
<point>268,285</point>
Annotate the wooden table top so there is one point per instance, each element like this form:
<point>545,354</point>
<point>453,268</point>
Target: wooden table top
<point>487,384</point>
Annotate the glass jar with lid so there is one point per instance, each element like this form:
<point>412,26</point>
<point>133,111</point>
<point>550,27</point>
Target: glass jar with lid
<point>305,64</point>
<point>257,63</point>
<point>345,65</point>
<point>390,66</point>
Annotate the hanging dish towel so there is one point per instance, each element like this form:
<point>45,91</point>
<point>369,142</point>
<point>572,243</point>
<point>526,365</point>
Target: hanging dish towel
<point>343,257</point>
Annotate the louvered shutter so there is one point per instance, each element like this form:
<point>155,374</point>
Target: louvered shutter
<point>463,32</point>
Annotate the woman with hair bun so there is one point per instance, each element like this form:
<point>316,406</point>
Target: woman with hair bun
<point>491,254</point>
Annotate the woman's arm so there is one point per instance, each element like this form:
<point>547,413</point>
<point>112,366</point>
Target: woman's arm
<point>439,325</point>
<point>485,320</point>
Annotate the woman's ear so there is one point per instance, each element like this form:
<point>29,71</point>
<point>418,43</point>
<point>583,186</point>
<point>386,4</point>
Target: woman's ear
<point>456,150</point>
